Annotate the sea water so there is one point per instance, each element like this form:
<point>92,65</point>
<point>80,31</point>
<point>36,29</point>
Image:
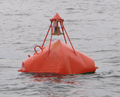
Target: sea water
<point>94,29</point>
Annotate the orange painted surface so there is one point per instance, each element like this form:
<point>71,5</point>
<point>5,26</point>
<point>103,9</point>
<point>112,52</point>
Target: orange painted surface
<point>56,17</point>
<point>58,57</point>
<point>61,60</point>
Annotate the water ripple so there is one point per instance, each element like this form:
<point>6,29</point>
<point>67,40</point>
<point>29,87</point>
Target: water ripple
<point>93,27</point>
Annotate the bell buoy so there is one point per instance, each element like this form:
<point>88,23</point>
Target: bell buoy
<point>58,57</point>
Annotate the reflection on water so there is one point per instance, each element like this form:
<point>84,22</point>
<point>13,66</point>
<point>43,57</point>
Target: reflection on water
<point>58,85</point>
<point>93,27</point>
<point>71,85</point>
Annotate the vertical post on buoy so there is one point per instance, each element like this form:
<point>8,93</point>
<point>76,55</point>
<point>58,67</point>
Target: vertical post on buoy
<point>46,35</point>
<point>68,38</point>
<point>63,31</point>
<point>51,36</point>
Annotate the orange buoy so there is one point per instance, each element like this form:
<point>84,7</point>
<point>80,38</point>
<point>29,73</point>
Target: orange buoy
<point>58,57</point>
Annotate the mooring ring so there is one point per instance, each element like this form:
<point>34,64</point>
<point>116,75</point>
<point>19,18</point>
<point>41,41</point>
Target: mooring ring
<point>39,47</point>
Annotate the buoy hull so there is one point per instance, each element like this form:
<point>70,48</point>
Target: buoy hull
<point>60,59</point>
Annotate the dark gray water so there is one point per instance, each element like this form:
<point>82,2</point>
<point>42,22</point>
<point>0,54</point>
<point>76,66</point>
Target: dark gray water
<point>94,29</point>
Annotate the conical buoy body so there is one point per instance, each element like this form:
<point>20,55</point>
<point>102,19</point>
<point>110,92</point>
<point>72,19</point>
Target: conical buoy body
<point>58,57</point>
<point>61,60</point>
